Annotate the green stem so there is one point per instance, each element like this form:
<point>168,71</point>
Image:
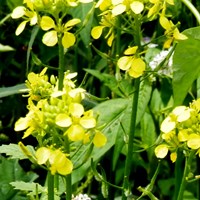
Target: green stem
<point>61,63</point>
<point>128,161</point>
<point>50,180</point>
<point>185,173</point>
<point>192,9</point>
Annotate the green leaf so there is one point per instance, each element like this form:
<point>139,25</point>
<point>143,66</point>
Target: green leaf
<point>186,64</point>
<point>31,188</point>
<point>10,171</point>
<point>15,152</point>
<point>17,89</point>
<point>148,133</point>
<point>5,48</point>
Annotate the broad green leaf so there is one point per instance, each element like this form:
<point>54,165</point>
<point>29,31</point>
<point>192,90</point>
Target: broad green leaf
<point>15,152</point>
<point>7,91</point>
<point>148,133</point>
<point>186,64</point>
<point>5,48</point>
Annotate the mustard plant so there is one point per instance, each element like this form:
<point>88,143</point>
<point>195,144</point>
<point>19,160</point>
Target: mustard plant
<point>56,116</point>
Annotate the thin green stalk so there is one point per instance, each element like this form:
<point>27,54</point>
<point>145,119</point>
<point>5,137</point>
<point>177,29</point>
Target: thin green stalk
<point>186,171</point>
<point>192,9</point>
<point>61,63</point>
<point>50,180</point>
<point>128,161</point>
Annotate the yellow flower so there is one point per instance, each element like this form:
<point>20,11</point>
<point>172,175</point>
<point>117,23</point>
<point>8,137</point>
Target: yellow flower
<point>58,161</point>
<point>179,114</point>
<point>171,31</point>
<point>29,15</point>
<point>51,37</point>
<point>134,65</point>
<point>107,21</point>
<point>158,5</point>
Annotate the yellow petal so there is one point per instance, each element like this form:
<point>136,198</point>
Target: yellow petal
<point>137,68</point>
<point>119,9</point>
<point>50,38</point>
<point>167,125</point>
<point>173,157</point>
<point>18,12</point>
<point>193,141</point>
<point>72,22</point>
<point>99,139</point>
<point>75,133</point>
<point>178,35</point>
<point>63,120</point>
<point>88,122</point>
<point>42,155</point>
<point>168,43</point>
<point>97,31</point>
<point>182,113</point>
<point>60,163</point>
<point>21,124</point>
<point>66,167</point>
<point>165,23</point>
<point>131,50</point>
<point>34,19</point>
<point>137,7</point>
<point>153,10</point>
<point>68,40</point>
<point>20,28</point>
<point>124,63</point>
<point>76,109</point>
<point>47,23</point>
<point>161,151</point>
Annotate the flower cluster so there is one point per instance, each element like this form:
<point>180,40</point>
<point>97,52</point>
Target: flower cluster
<point>36,12</point>
<point>180,130</point>
<point>55,115</point>
<point>110,11</point>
